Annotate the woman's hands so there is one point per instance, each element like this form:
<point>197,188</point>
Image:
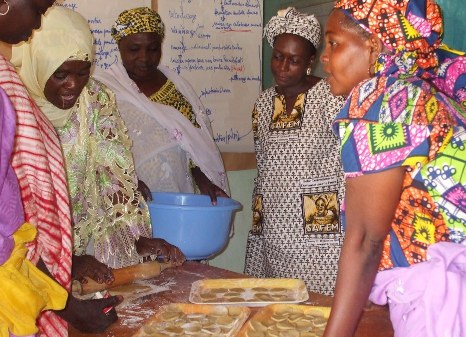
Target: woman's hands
<point>88,315</point>
<point>144,190</point>
<point>87,265</point>
<point>164,251</point>
<point>206,186</point>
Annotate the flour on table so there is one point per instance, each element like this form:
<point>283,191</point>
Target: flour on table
<point>129,311</point>
<point>137,290</point>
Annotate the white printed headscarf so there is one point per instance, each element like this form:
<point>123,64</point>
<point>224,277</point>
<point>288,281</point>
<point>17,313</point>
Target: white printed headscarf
<point>293,22</point>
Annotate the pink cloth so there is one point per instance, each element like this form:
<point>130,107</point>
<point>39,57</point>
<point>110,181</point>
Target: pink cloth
<point>427,299</point>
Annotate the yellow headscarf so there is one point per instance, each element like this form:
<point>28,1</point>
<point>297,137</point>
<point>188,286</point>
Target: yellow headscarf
<point>64,35</point>
<point>138,20</point>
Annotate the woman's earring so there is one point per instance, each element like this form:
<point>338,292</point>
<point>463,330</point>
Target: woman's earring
<point>370,71</point>
<point>373,66</point>
<point>7,8</point>
<point>309,71</point>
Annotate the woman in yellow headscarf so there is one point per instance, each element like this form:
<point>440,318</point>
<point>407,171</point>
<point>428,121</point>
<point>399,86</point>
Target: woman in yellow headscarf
<point>111,220</point>
<point>173,147</point>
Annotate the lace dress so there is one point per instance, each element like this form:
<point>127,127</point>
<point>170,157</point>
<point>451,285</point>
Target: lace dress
<point>109,213</point>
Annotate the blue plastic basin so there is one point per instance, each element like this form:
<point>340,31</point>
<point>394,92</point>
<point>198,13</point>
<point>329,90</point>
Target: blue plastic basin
<point>191,222</point>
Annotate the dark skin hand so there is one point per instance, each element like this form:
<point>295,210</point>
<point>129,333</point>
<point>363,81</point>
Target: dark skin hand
<point>87,315</point>
<point>144,190</point>
<point>146,49</point>
<point>88,266</point>
<point>206,186</point>
<point>165,252</point>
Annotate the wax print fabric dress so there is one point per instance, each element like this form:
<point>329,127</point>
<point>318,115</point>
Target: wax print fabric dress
<point>109,213</point>
<point>169,95</point>
<point>411,114</point>
<point>393,120</point>
<point>297,228</point>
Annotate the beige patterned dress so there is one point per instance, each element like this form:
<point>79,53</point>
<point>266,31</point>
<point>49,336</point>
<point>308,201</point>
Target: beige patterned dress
<point>299,187</point>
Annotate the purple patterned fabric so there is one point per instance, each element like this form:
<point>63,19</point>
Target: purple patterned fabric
<point>11,209</point>
<point>427,299</point>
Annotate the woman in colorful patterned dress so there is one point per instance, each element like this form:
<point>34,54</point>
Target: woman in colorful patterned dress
<point>111,219</point>
<point>404,154</point>
<point>173,146</point>
<point>299,186</point>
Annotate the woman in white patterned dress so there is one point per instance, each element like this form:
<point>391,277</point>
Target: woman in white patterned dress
<point>299,172</point>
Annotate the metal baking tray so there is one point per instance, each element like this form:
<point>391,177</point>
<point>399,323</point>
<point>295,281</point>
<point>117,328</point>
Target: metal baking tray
<point>291,320</point>
<point>181,319</point>
<point>248,291</point>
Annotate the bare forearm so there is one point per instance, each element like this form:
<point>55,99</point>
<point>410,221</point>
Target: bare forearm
<point>358,267</point>
<point>61,313</point>
<point>199,177</point>
<point>371,201</point>
<point>206,186</point>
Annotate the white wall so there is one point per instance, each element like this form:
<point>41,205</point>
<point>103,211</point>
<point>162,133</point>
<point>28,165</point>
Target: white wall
<point>321,11</point>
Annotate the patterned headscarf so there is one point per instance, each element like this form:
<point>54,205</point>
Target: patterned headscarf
<point>293,22</point>
<point>138,20</point>
<point>412,30</point>
<point>413,25</point>
<point>65,36</point>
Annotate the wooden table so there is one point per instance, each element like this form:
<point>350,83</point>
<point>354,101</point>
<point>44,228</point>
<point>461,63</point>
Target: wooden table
<point>174,286</point>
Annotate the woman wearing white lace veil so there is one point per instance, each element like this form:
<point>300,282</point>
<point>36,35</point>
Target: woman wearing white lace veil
<point>173,147</point>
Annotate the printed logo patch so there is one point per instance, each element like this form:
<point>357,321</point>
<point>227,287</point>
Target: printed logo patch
<point>257,215</point>
<point>281,120</point>
<point>321,213</point>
